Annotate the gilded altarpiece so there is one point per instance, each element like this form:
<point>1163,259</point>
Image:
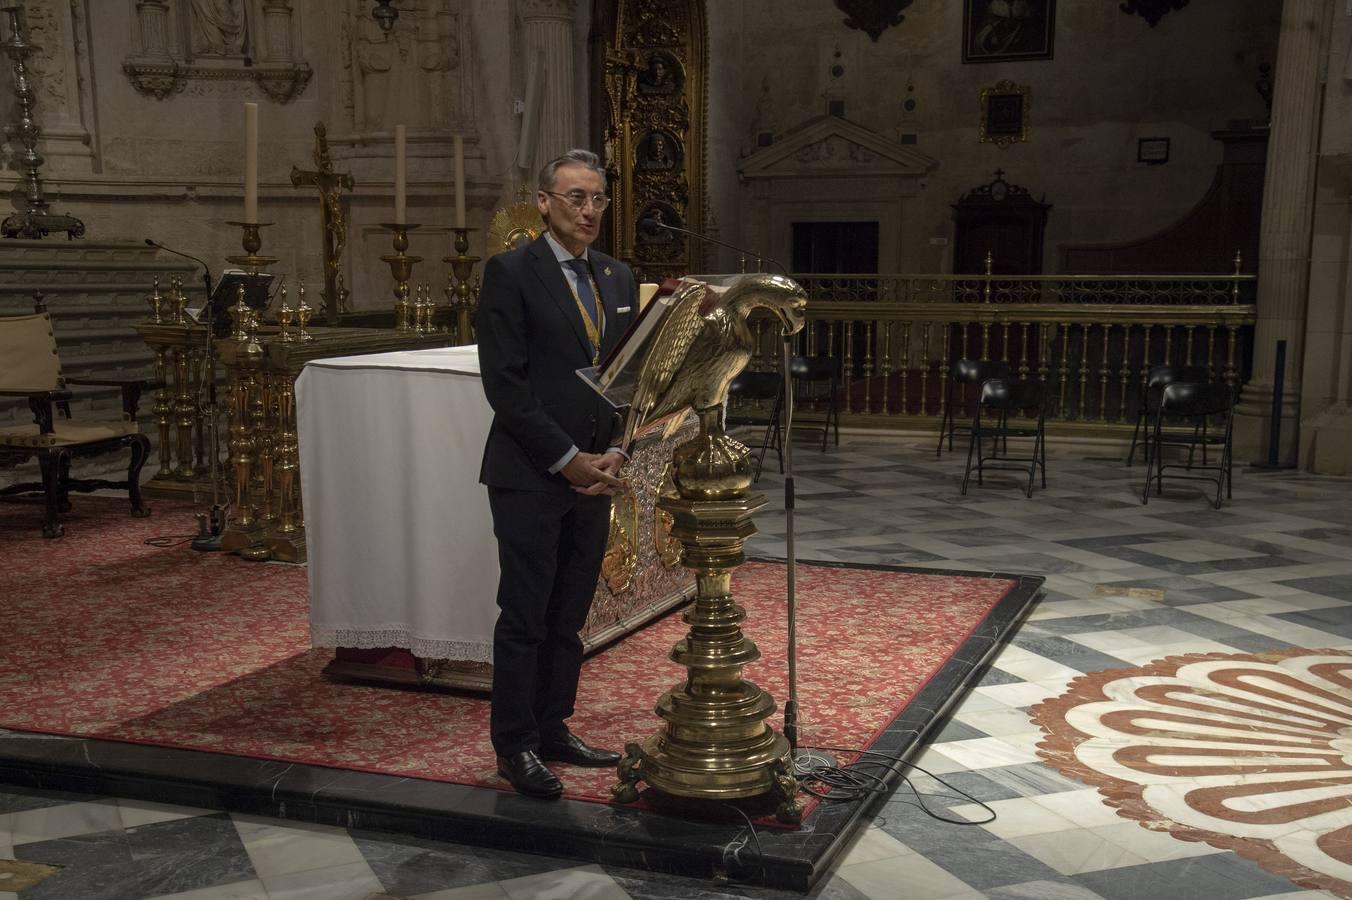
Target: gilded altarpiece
<point>652,114</point>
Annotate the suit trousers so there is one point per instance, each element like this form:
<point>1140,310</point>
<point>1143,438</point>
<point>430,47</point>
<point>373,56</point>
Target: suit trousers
<point>550,547</point>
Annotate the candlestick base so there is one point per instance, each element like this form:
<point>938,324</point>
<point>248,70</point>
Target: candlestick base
<point>463,299</point>
<point>401,269</point>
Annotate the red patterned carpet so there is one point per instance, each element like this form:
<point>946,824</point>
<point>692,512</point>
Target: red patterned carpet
<point>105,636</point>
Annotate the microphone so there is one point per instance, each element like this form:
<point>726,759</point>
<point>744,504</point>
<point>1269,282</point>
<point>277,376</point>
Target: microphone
<point>206,270</point>
<point>653,222</point>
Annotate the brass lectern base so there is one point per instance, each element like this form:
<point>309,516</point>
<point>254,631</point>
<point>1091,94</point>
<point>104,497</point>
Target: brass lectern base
<point>758,771</point>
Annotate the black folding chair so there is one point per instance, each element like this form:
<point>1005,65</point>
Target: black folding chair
<point>1008,408</point>
<point>748,395</point>
<point>1149,401</point>
<point>812,371</point>
<point>1200,404</point>
<point>962,373</point>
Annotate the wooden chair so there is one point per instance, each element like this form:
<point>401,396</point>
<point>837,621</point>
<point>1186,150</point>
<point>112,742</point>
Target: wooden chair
<point>30,368</point>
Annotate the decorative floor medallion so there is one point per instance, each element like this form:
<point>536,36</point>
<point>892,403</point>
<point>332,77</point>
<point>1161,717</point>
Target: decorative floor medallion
<point>1251,753</point>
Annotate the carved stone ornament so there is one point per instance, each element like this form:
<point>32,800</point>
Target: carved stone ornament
<point>1151,10</point>
<point>227,41</point>
<point>835,152</point>
<point>159,80</point>
<point>872,17</point>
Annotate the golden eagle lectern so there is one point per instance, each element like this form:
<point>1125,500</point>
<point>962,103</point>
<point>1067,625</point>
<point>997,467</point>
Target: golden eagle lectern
<point>716,743</point>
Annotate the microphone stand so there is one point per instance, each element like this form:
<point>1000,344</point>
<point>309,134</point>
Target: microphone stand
<point>786,438</point>
<point>210,527</point>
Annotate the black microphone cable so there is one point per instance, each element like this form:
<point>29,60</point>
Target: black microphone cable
<point>209,537</point>
<point>654,222</point>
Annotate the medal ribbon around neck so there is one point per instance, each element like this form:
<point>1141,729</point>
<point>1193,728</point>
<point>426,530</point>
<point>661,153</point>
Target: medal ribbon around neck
<point>592,326</point>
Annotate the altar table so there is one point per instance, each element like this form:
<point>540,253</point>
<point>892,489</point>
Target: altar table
<point>398,531</point>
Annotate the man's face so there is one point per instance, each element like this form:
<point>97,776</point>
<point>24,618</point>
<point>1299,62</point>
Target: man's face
<point>574,228</point>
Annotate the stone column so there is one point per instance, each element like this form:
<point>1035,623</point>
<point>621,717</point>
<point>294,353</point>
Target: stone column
<point>1284,239</point>
<point>153,18</point>
<point>548,26</point>
<point>277,24</point>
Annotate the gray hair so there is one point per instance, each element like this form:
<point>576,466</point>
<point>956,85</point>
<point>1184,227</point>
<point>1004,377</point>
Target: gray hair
<point>586,158</point>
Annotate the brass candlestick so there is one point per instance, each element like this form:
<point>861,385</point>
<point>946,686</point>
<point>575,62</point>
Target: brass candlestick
<point>463,298</point>
<point>178,300</point>
<point>429,309</point>
<point>243,530</point>
<point>252,241</point>
<point>284,319</point>
<point>303,313</point>
<point>156,300</point>
<point>419,309</point>
<point>401,269</point>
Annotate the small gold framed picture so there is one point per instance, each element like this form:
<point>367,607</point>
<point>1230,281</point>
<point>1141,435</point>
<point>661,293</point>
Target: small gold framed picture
<point>1004,114</point>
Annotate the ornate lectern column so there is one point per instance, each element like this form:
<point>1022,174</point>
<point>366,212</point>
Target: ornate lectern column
<point>1284,241</point>
<point>549,43</point>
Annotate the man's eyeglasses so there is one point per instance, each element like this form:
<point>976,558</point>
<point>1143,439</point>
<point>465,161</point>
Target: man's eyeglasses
<point>576,200</point>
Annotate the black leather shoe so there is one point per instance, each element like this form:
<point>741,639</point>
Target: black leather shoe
<point>529,776</point>
<point>571,749</point>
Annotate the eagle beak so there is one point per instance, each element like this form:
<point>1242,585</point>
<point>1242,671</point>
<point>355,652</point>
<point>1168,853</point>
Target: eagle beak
<point>793,316</point>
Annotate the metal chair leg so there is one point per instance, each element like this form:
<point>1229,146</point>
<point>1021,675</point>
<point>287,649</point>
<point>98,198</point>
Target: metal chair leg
<point>972,443</point>
<point>1135,432</point>
<point>945,423</point>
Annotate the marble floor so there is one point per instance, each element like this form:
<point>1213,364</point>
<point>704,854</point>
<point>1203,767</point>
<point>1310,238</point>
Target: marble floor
<point>1126,584</point>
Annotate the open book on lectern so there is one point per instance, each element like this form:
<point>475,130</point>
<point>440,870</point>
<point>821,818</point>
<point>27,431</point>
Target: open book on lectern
<point>617,376</point>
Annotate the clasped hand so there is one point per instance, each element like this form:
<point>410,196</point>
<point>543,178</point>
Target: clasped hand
<point>594,473</point>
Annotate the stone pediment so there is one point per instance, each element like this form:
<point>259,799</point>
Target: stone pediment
<point>832,146</point>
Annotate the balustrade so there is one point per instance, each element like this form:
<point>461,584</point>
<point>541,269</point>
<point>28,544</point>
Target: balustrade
<point>1092,339</point>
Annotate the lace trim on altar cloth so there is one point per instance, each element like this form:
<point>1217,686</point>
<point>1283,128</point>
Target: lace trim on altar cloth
<point>396,636</point>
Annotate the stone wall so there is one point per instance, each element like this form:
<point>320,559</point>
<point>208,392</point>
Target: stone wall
<point>1112,79</point>
<point>143,119</point>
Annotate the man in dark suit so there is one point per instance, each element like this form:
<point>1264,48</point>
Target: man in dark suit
<point>546,310</point>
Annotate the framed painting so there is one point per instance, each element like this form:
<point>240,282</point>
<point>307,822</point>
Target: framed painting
<point>1007,30</point>
<point>1153,151</point>
<point>1004,114</point>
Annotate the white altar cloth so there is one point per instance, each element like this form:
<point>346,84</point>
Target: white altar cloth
<point>397,527</point>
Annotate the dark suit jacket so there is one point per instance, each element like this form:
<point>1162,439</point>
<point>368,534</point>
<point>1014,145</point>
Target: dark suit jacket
<point>531,342</point>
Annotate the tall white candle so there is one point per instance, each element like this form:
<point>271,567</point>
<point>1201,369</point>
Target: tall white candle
<point>400,175</point>
<point>459,181</point>
<point>251,162</point>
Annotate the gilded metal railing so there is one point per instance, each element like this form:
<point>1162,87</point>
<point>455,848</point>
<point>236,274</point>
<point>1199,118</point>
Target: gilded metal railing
<point>1091,339</point>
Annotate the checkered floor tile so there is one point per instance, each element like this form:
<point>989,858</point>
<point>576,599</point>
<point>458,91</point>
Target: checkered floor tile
<point>1126,583</point>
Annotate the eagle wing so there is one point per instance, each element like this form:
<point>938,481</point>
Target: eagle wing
<point>666,356</point>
